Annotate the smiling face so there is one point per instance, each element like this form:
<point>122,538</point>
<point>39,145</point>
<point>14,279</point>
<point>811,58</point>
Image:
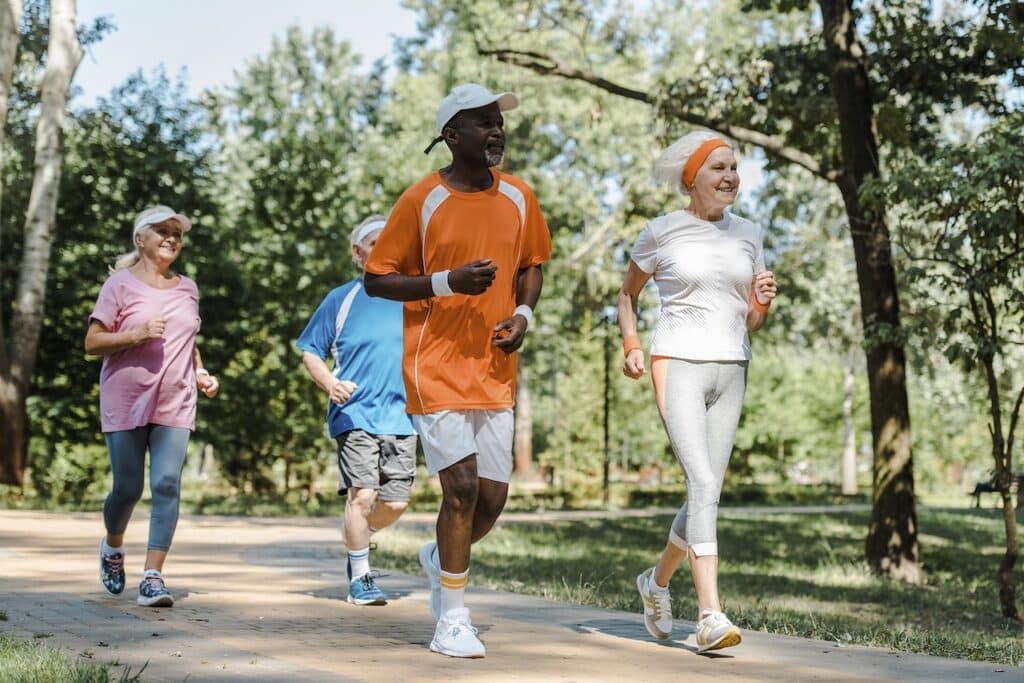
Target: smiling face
<point>477,136</point>
<point>716,183</point>
<point>160,242</point>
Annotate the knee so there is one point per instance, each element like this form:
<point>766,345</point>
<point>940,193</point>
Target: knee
<point>167,487</point>
<point>127,490</point>
<point>360,501</point>
<point>461,493</point>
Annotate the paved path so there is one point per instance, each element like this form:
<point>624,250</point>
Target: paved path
<point>263,600</point>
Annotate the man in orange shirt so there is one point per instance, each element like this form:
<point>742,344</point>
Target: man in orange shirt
<point>463,248</point>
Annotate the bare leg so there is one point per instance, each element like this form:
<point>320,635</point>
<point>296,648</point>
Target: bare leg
<point>154,559</point>
<point>671,557</point>
<point>386,513</point>
<point>358,506</point>
<point>489,504</point>
<point>460,487</point>
<point>705,582</point>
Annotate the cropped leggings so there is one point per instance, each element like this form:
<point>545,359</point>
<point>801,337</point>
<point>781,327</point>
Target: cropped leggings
<point>167,447</point>
<point>702,402</point>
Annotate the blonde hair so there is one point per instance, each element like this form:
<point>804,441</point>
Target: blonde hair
<point>129,259</point>
<point>668,167</point>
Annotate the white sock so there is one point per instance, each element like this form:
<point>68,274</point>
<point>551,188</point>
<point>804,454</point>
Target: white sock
<point>360,560</point>
<point>655,588</point>
<point>453,590</point>
<point>151,572</point>
<point>110,550</point>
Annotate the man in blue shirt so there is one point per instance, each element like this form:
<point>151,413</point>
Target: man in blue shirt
<point>366,409</point>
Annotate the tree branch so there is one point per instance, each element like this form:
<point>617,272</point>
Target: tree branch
<point>772,145</point>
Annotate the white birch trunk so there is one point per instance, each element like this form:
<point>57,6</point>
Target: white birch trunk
<point>62,59</point>
<point>850,442</point>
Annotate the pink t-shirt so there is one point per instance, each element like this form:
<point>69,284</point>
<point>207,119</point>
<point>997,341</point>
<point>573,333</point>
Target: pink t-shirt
<point>154,382</point>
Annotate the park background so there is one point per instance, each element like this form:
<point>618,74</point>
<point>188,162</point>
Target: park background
<point>288,128</point>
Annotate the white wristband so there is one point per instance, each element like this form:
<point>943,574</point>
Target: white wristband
<point>439,283</point>
<point>526,312</point>
<point>202,371</point>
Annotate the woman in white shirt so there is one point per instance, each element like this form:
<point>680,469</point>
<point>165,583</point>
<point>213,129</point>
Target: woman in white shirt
<point>708,265</point>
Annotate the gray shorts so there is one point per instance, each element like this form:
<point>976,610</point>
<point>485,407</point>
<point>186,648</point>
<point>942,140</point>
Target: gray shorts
<point>385,463</point>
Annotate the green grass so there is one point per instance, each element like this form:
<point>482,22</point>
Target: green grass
<point>800,575</point>
<point>31,663</point>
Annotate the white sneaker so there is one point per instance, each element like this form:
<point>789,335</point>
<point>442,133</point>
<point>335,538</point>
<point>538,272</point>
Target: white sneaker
<point>433,573</point>
<point>657,606</point>
<point>455,635</point>
<point>715,631</point>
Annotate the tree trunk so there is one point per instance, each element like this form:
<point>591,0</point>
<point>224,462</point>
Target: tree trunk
<point>1007,589</point>
<point>10,20</point>
<point>522,446</point>
<point>849,467</point>
<point>891,546</point>
<point>62,59</point>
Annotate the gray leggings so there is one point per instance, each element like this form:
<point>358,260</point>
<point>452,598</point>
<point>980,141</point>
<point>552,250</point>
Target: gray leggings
<point>703,400</point>
<point>167,448</point>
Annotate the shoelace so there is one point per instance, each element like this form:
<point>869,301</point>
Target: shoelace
<point>662,605</point>
<point>458,624</point>
<point>367,581</point>
<point>154,583</point>
<point>112,563</point>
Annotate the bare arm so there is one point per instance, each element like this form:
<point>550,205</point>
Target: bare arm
<point>207,383</point>
<point>99,341</point>
<point>629,296</point>
<point>510,333</point>
<point>764,289</point>
<point>473,278</point>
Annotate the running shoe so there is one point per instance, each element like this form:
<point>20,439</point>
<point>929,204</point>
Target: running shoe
<point>715,631</point>
<point>455,635</point>
<point>112,571</point>
<point>657,606</point>
<point>153,592</point>
<point>433,573</point>
<point>364,591</point>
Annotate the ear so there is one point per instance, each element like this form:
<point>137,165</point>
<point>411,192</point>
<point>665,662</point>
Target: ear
<point>450,135</point>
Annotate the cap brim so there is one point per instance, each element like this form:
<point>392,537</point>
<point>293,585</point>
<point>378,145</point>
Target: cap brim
<point>183,221</point>
<point>507,101</point>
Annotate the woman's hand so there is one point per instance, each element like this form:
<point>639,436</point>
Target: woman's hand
<point>765,287</point>
<point>208,384</point>
<point>154,329</point>
<point>634,365</point>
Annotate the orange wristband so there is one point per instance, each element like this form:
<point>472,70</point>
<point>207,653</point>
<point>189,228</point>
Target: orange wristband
<point>758,306</point>
<point>631,343</point>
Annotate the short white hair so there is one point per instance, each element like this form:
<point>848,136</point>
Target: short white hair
<point>375,218</point>
<point>668,167</point>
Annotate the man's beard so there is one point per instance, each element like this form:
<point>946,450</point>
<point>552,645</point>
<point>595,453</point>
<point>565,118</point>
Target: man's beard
<point>494,158</point>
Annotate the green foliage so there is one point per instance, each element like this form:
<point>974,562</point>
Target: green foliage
<point>32,662</point>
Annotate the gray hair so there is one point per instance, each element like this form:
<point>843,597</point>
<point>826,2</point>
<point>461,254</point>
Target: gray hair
<point>668,167</point>
<point>130,258</point>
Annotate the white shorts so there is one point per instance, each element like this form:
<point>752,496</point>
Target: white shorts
<point>448,436</point>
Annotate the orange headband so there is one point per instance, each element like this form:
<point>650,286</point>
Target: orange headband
<point>698,158</point>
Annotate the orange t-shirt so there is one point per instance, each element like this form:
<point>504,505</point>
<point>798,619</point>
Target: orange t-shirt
<point>449,361</point>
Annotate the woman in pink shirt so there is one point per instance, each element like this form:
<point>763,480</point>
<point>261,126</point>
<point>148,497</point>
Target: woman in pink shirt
<point>144,325</point>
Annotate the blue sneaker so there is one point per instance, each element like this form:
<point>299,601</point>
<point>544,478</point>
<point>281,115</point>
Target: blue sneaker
<point>364,591</point>
<point>112,571</point>
<point>153,592</point>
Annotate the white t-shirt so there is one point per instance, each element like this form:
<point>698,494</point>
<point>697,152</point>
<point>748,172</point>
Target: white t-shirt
<point>704,272</point>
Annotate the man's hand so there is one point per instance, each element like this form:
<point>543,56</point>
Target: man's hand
<point>342,390</point>
<point>510,333</point>
<point>473,278</point>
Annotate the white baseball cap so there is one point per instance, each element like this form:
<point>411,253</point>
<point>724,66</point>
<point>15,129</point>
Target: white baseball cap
<point>468,96</point>
<point>158,214</point>
<point>471,96</point>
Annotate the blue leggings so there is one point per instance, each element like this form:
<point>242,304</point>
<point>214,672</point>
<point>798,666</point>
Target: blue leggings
<point>167,448</point>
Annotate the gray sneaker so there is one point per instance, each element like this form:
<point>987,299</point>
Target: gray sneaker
<point>153,592</point>
<point>657,607</point>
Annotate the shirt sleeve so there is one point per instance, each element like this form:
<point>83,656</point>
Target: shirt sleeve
<point>107,306</point>
<point>399,247</point>
<point>759,265</point>
<point>536,236</point>
<point>645,250</point>
<point>318,337</point>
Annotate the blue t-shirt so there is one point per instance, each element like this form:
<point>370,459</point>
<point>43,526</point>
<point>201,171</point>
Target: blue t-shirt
<point>364,335</point>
